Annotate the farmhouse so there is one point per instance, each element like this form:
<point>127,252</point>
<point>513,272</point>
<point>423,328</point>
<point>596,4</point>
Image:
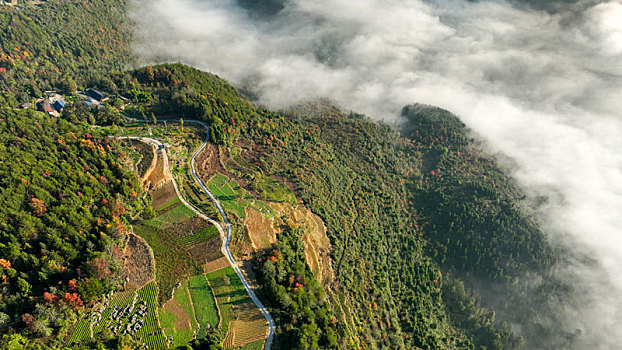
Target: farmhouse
<point>59,104</point>
<point>45,106</point>
<point>97,95</point>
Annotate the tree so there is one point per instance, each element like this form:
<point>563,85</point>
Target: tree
<point>73,300</point>
<point>5,320</point>
<point>99,268</point>
<point>23,286</point>
<point>67,85</point>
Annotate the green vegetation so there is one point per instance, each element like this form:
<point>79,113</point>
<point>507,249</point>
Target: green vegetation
<point>132,313</point>
<point>416,222</point>
<point>176,214</point>
<point>204,304</point>
<point>195,238</point>
<point>169,320</point>
<point>65,205</point>
<point>64,45</point>
<point>375,189</point>
<point>302,312</point>
<point>257,345</point>
<point>234,198</point>
<point>229,291</point>
<point>268,188</point>
<point>173,263</point>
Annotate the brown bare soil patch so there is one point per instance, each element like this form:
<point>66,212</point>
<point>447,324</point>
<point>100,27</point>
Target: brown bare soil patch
<point>208,161</point>
<point>206,251</point>
<point>317,244</point>
<point>138,268</point>
<point>163,195</point>
<point>187,227</point>
<point>182,318</point>
<point>261,229</point>
<point>249,326</point>
<point>215,265</point>
<point>147,153</point>
<point>158,176</point>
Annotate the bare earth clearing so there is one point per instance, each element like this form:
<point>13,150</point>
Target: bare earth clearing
<point>138,268</point>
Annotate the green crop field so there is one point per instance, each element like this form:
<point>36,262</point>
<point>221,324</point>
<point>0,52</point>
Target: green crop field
<point>256,345</point>
<point>235,199</point>
<point>202,235</point>
<point>172,261</point>
<point>150,333</point>
<point>81,333</point>
<point>228,290</point>
<point>170,317</point>
<point>230,195</point>
<point>177,214</point>
<point>170,204</point>
<point>204,303</point>
<point>132,313</point>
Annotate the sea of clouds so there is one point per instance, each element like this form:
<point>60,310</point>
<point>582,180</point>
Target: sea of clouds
<point>543,88</point>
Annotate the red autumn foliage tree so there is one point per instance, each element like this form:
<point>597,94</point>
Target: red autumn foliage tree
<point>73,300</point>
<point>29,321</point>
<point>73,285</point>
<point>38,206</point>
<point>50,298</point>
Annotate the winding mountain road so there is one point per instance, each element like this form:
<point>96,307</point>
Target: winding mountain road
<point>224,234</point>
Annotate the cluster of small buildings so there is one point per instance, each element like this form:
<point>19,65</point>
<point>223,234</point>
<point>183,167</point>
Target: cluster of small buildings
<point>54,103</point>
<point>51,105</point>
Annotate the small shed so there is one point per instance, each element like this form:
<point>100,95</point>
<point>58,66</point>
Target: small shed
<point>59,104</point>
<point>97,95</point>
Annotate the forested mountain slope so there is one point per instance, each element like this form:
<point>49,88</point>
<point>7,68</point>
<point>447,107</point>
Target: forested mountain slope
<point>61,45</point>
<point>399,209</point>
<point>419,218</point>
<point>66,199</point>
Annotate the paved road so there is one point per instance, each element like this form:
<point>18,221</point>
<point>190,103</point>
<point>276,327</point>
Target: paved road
<point>226,236</point>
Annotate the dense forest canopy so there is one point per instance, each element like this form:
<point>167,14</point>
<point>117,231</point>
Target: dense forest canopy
<point>61,45</point>
<point>65,208</point>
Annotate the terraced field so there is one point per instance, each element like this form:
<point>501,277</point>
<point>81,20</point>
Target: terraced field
<point>240,319</point>
<point>198,237</point>
<point>204,304</point>
<point>256,345</point>
<point>132,313</point>
<point>177,317</point>
<point>234,198</point>
<point>250,326</point>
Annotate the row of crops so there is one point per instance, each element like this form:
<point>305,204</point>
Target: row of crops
<point>204,304</point>
<point>132,313</point>
<point>190,313</point>
<point>199,237</point>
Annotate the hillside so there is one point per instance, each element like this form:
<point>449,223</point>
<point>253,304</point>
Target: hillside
<point>61,45</point>
<point>356,234</point>
<point>65,208</point>
<point>401,211</point>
